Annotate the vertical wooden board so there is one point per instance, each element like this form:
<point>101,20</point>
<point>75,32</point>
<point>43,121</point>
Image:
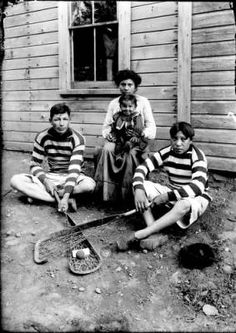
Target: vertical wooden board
<point>184,60</point>
<point>124,12</point>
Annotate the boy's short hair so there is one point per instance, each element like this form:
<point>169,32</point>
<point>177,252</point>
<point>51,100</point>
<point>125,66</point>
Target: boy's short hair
<point>127,98</point>
<point>126,74</point>
<point>59,109</point>
<point>184,127</point>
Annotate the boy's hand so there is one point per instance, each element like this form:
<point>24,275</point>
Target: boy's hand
<point>63,205</point>
<point>50,187</point>
<point>140,200</point>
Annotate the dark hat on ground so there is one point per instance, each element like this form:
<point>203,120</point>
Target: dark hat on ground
<point>197,255</point>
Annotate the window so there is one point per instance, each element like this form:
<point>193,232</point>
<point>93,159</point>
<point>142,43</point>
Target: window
<point>94,42</point>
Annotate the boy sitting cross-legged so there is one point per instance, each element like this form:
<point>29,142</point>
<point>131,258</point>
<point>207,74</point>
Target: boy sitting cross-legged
<point>186,195</point>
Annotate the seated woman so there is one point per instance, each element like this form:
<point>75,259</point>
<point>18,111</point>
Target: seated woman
<point>114,180</point>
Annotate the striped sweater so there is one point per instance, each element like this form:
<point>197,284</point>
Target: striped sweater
<point>187,173</point>
<point>64,154</point>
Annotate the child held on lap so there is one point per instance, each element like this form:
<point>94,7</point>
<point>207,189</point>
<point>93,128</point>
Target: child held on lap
<point>186,195</point>
<point>127,127</point>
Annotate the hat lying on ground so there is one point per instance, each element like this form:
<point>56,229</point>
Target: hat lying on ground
<point>197,255</point>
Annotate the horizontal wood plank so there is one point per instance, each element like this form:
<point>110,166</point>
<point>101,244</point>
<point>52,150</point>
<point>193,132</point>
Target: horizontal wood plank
<point>207,35</point>
<point>213,93</point>
<point>213,49</point>
<point>31,29</point>
<point>213,19</point>
<point>219,163</point>
<point>221,63</point>
<point>34,51</point>
<point>35,84</point>
<point>36,62</point>
<point>154,24</point>
<point>29,6</point>
<point>154,52</point>
<point>159,79</point>
<point>30,73</point>
<point>46,14</point>
<point>216,78</point>
<point>154,38</point>
<point>42,39</point>
<point>154,10</point>
<point>213,121</point>
<point>154,65</point>
<point>213,107</point>
<point>158,92</point>
<point>209,6</point>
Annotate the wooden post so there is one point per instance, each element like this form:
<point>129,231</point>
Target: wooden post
<point>184,61</point>
<point>124,12</point>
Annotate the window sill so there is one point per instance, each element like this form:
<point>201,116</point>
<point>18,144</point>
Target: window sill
<point>72,92</point>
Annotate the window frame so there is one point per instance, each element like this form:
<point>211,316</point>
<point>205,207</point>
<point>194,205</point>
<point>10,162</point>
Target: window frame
<point>65,58</point>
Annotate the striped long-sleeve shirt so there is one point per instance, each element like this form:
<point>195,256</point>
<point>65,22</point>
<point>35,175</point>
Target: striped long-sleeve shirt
<point>64,154</point>
<point>187,173</point>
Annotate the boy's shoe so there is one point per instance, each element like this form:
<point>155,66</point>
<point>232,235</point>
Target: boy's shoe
<point>127,243</point>
<point>72,205</point>
<point>153,241</point>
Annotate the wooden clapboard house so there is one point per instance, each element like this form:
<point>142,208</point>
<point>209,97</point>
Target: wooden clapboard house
<point>68,51</point>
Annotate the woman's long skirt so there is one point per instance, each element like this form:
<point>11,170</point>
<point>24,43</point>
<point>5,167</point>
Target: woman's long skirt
<point>114,175</point>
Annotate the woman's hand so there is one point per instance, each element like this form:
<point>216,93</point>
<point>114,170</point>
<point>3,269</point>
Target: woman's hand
<point>140,200</point>
<point>50,187</point>
<point>110,138</point>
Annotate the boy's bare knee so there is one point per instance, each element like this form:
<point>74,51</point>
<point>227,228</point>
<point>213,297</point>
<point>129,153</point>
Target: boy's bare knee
<point>15,181</point>
<point>183,206</point>
<point>90,185</point>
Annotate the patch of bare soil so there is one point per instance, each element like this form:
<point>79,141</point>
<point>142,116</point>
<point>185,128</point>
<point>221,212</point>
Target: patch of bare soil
<point>131,291</point>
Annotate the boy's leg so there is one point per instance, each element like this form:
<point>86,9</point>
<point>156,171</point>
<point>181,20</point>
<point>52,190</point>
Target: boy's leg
<point>181,208</point>
<point>31,187</point>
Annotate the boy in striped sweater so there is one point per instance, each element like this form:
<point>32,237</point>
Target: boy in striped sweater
<point>186,196</point>
<point>63,148</point>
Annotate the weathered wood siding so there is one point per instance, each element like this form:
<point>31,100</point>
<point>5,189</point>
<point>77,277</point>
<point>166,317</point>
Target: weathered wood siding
<point>213,90</point>
<point>30,75</point>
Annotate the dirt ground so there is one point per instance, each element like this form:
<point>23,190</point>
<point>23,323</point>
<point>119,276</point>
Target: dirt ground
<point>131,291</point>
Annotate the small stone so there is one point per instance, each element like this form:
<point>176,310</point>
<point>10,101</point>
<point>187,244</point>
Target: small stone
<point>74,287</point>
<point>210,310</point>
<point>33,233</point>
<point>118,269</point>
<point>227,269</point>
<point>18,234</point>
<point>98,290</point>
<point>145,251</point>
<point>81,289</point>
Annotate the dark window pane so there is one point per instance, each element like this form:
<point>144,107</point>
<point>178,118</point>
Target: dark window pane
<point>105,11</point>
<point>107,52</point>
<point>81,12</point>
<point>83,54</point>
